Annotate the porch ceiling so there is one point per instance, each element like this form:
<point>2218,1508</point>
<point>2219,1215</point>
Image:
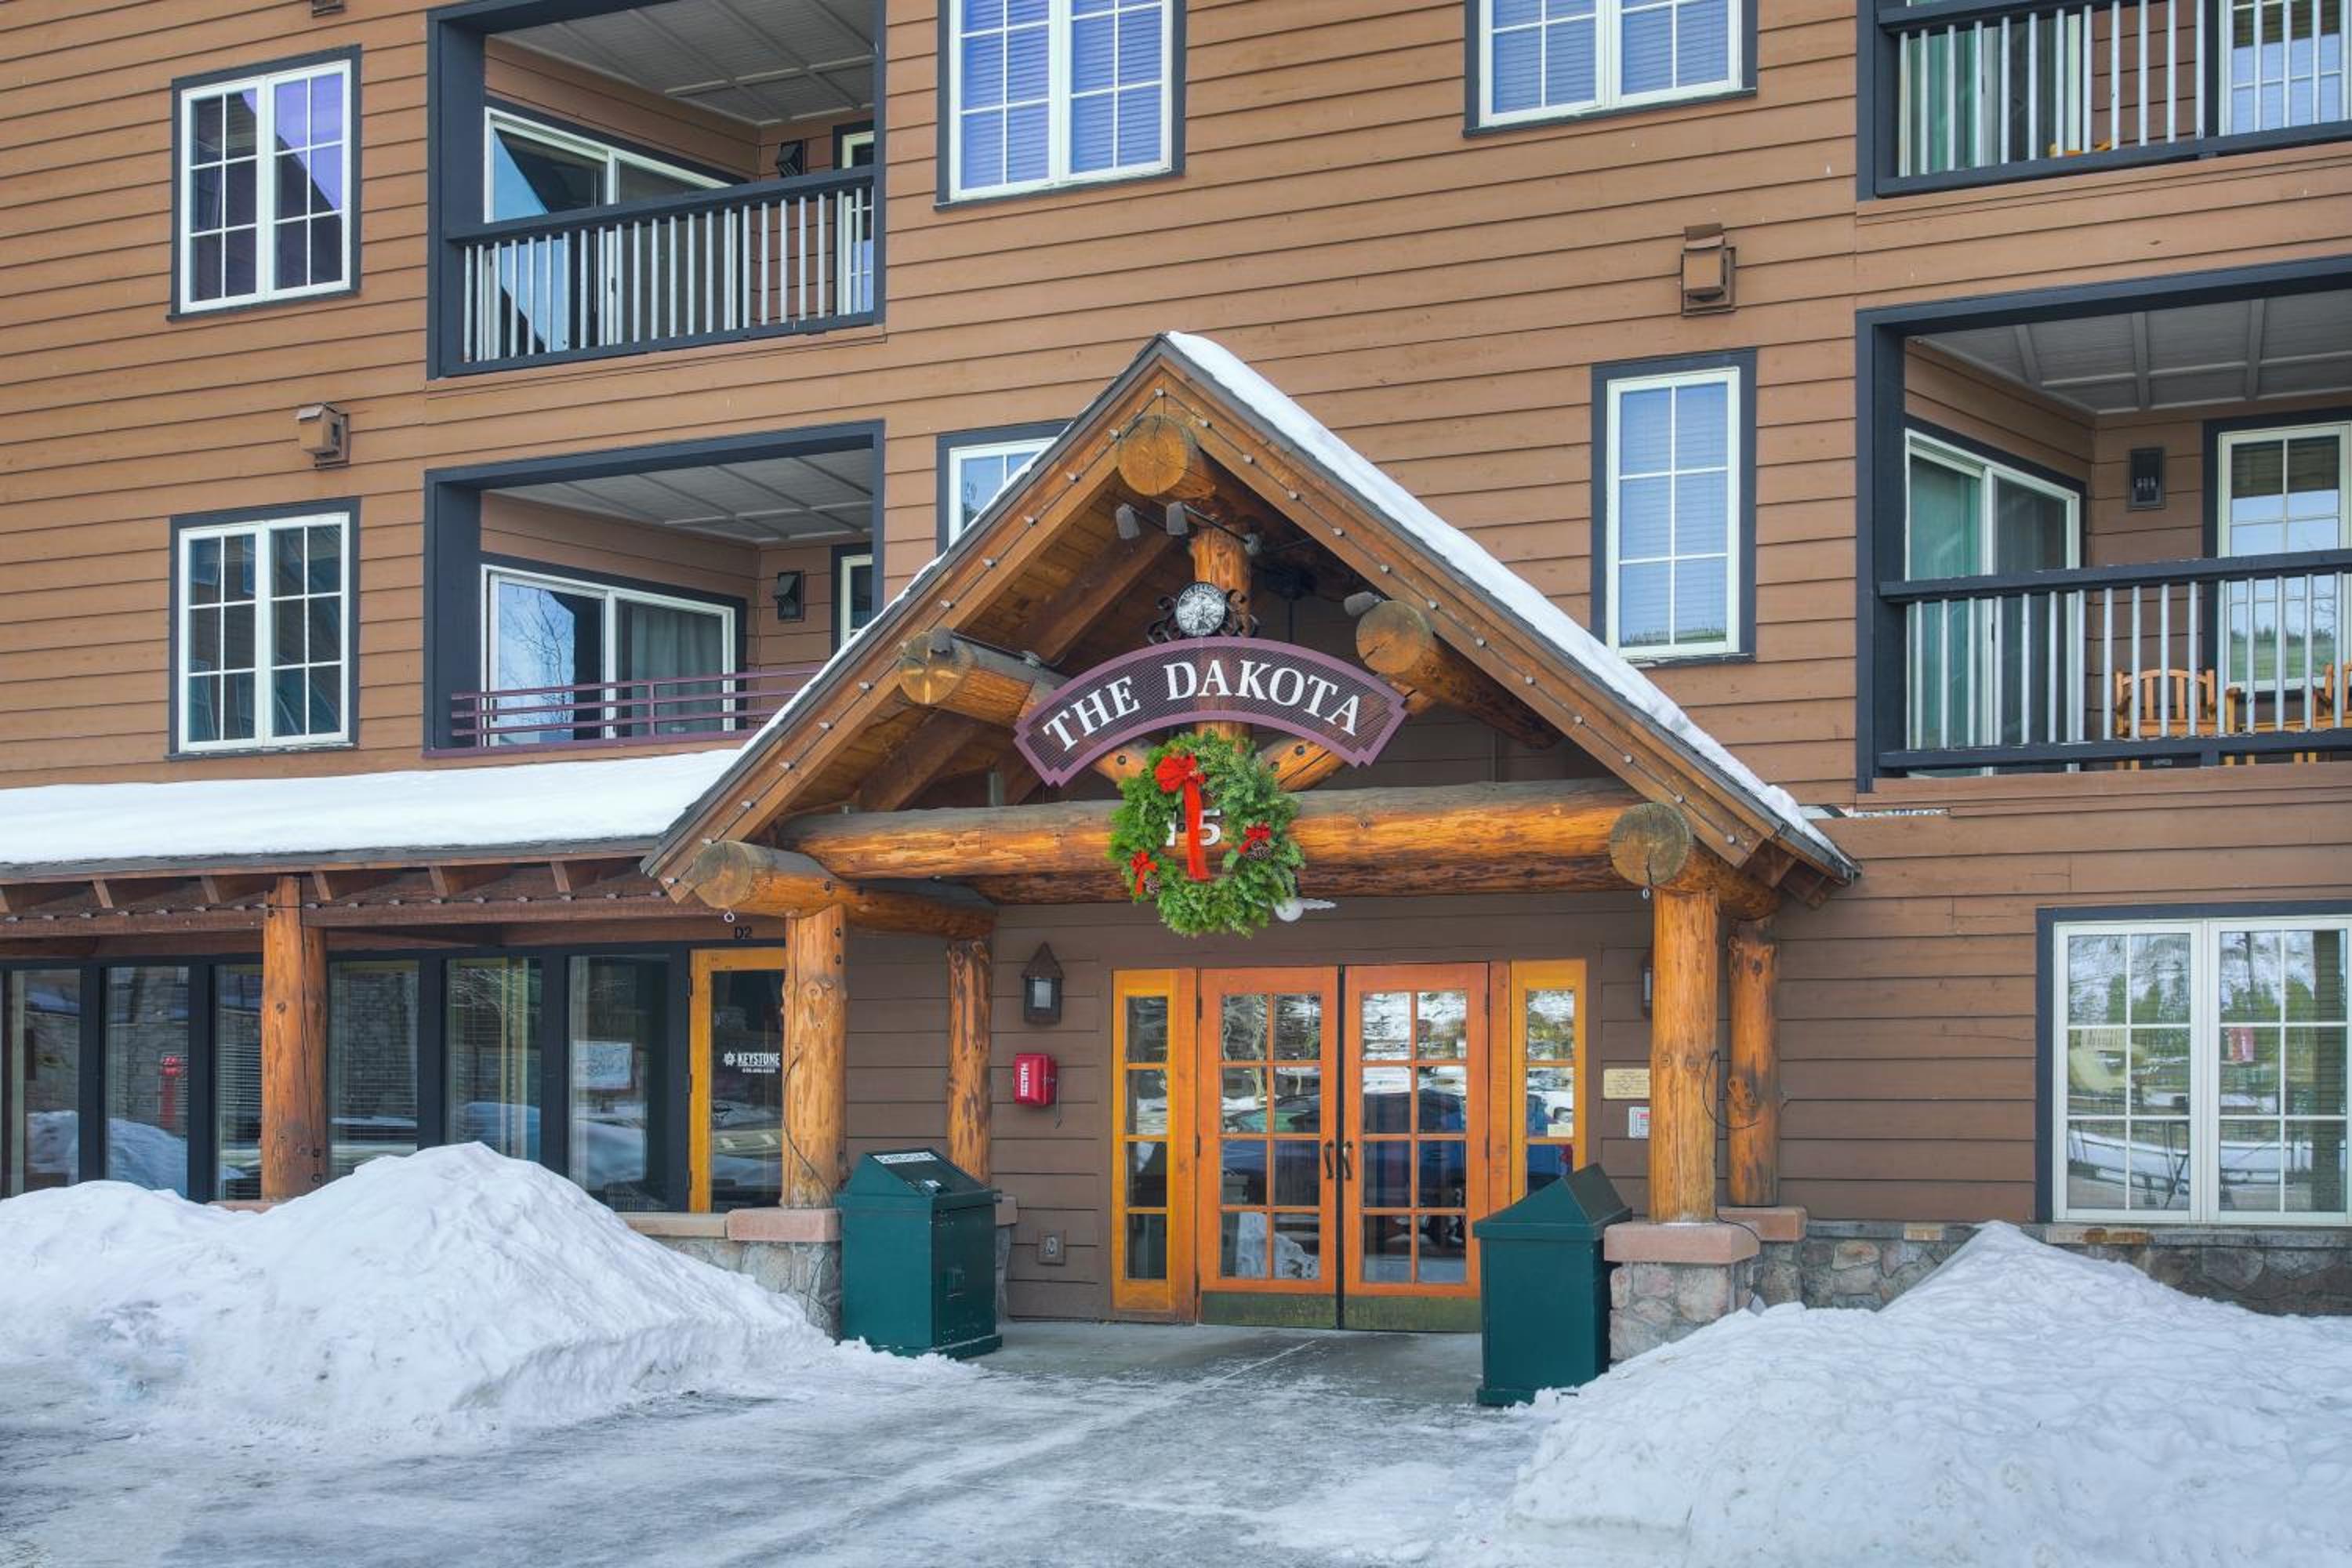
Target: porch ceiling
<point>2140,361</point>
<point>824,497</point>
<point>762,61</point>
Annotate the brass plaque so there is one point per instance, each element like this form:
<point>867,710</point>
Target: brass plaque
<point>1624,1083</point>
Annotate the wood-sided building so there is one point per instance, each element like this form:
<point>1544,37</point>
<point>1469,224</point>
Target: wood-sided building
<point>426,488</point>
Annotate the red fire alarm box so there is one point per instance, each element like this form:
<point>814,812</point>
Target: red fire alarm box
<point>1034,1079</point>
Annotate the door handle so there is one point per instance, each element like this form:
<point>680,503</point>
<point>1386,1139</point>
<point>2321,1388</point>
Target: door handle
<point>1331,1167</point>
<point>1347,1158</point>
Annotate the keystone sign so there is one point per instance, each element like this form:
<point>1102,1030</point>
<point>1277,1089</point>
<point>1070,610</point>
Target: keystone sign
<point>1173,684</point>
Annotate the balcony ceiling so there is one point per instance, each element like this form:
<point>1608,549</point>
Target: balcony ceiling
<point>765,62</point>
<point>825,498</point>
<point>2240,352</point>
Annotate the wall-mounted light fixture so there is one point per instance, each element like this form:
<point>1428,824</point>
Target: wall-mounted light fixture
<point>792,600</point>
<point>1041,988</point>
<point>2146,473</point>
<point>792,160</point>
<point>324,431</point>
<point>1649,982</point>
<point>1710,264</point>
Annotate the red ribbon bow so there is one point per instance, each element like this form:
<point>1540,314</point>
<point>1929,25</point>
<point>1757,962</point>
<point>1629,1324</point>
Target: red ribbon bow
<point>1257,834</point>
<point>1140,866</point>
<point>1181,770</point>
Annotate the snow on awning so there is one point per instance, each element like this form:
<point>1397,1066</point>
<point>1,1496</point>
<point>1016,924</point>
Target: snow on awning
<point>619,802</point>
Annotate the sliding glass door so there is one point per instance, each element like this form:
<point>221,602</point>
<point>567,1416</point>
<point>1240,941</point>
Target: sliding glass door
<point>581,661</point>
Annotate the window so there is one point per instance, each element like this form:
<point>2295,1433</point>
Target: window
<point>581,661</point>
<point>1675,510</point>
<point>264,632</point>
<point>976,468</point>
<point>1539,59</point>
<point>536,170</point>
<point>2286,65</point>
<point>853,592</point>
<point>2283,491</point>
<point>265,172</point>
<point>1054,92</point>
<point>619,1015</point>
<point>2201,1070</point>
<point>854,149</point>
<point>40,1080</point>
<point>1151,1244</point>
<point>1548,1067</point>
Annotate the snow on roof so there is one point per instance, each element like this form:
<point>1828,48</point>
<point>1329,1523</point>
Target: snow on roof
<point>610,800</point>
<point>1383,494</point>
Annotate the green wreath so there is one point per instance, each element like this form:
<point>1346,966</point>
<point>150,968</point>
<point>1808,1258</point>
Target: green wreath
<point>1255,867</point>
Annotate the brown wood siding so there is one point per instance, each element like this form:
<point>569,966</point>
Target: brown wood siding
<point>2011,420</point>
<point>635,117</point>
<point>1437,298</point>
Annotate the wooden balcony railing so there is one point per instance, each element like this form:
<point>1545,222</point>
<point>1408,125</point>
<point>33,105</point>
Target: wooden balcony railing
<point>770,257</point>
<point>2193,661</point>
<point>622,712</point>
<point>1972,90</point>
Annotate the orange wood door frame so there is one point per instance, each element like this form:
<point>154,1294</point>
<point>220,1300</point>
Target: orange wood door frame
<point>1176,1294</point>
<point>707,962</point>
<point>1215,986</point>
<point>1418,982</point>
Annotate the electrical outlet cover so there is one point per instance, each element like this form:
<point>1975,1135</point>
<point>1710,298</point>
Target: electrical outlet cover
<point>1049,1248</point>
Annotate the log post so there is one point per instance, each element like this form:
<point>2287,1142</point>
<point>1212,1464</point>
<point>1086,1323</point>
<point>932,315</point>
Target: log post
<point>1219,559</point>
<point>969,1048</point>
<point>296,1120</point>
<point>816,1049</point>
<point>1682,1053</point>
<point>1654,846</point>
<point>1753,1096</point>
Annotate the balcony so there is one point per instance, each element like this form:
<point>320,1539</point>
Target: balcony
<point>2120,538</point>
<point>642,178</point>
<point>678,708</point>
<point>1973,91</point>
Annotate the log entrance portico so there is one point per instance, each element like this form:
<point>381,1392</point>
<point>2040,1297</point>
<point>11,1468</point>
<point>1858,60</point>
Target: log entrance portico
<point>896,776</point>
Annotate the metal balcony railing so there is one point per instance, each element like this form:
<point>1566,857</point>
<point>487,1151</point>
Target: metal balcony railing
<point>619,712</point>
<point>2195,661</point>
<point>773,257</point>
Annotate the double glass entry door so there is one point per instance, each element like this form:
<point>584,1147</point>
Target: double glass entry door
<point>1343,1144</point>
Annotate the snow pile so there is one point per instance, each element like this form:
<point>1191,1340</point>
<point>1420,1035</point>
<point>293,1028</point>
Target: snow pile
<point>626,799</point>
<point>2023,1404</point>
<point>442,1296</point>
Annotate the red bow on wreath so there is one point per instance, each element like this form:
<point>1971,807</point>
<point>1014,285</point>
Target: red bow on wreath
<point>1181,770</point>
<point>1257,842</point>
<point>1142,867</point>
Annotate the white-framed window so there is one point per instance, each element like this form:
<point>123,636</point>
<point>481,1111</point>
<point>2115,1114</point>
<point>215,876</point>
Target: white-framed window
<point>534,169</point>
<point>265,165</point>
<point>1674,525</point>
<point>1543,60</point>
<point>2200,1070</point>
<point>570,660</point>
<point>979,473</point>
<point>1055,93</point>
<point>2284,489</point>
<point>2285,65</point>
<point>853,594</point>
<point>264,635</point>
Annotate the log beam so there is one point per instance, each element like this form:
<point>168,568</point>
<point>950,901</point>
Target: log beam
<point>1753,1096</point>
<point>1399,642</point>
<point>296,1125</point>
<point>969,1048</point>
<point>1159,457</point>
<point>955,674</point>
<point>752,879</point>
<point>1299,765</point>
<point>816,1048</point>
<point>1455,827</point>
<point>1654,846</point>
<point>1682,1051</point>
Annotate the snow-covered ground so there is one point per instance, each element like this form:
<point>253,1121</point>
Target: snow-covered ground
<point>178,1385</point>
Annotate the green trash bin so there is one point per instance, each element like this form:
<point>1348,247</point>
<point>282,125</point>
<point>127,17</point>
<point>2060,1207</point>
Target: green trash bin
<point>918,1257</point>
<point>1543,1302</point>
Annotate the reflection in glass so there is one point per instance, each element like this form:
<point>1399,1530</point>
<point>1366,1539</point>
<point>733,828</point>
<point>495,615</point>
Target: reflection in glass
<point>1444,1099</point>
<point>1297,1174</point>
<point>1298,1027</point>
<point>2095,980</point>
<point>40,1081</point>
<point>1243,1108</point>
<point>372,1060</point>
<point>1388,1248</point>
<point>1297,1247</point>
<point>618,1010</point>
<point>1241,1246</point>
<point>2249,1166</point>
<point>1388,1099</point>
<point>492,1039</point>
<point>237,1078</point>
<point>1388,1175</point>
<point>1298,1099</point>
<point>2159,1075</point>
<point>1444,1250</point>
<point>147,1043</point>
<point>1386,1025</point>
<point>1243,1028</point>
<point>1241,1170</point>
<point>2094,1164</point>
<point>1445,1173</point>
<point>747,1088</point>
<point>1147,1101</point>
<point>1147,1246</point>
<point>1445,1024</point>
<point>1547,1163</point>
<point>1146,1176</point>
<point>1147,1028</point>
<point>2094,1070</point>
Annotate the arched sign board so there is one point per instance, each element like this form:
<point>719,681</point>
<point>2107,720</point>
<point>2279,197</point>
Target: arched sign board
<point>1196,680</point>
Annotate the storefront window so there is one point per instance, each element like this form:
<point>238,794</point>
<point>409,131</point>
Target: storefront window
<point>372,1061</point>
<point>619,1009</point>
<point>494,1057</point>
<point>40,1081</point>
<point>147,1054</point>
<point>747,1088</point>
<point>237,1078</point>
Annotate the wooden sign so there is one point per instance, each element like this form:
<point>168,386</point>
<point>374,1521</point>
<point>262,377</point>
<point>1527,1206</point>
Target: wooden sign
<point>1172,685</point>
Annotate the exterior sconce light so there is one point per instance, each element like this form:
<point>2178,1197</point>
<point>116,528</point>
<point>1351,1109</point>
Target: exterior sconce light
<point>1040,989</point>
<point>792,602</point>
<point>324,431</point>
<point>1649,982</point>
<point>1709,265</point>
<point>2146,473</point>
<point>792,160</point>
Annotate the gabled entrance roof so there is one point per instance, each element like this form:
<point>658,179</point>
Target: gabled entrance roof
<point>1046,561</point>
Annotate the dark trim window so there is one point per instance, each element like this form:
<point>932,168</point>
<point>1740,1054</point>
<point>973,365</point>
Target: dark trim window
<point>856,591</point>
<point>2197,1067</point>
<point>261,630</point>
<point>267,166</point>
<point>977,465</point>
<point>1040,94</point>
<point>1673,507</point>
<point>1533,60</point>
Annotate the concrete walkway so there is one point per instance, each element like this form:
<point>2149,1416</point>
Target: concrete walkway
<point>1080,1444</point>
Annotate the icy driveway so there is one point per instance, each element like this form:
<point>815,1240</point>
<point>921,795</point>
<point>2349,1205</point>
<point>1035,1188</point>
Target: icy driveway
<point>1084,1444</point>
